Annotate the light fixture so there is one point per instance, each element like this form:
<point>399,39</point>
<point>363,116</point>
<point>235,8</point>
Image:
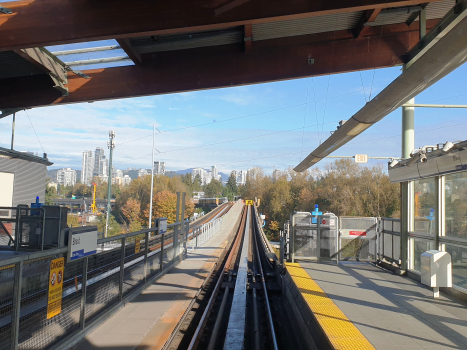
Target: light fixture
<point>393,163</point>
<point>447,146</point>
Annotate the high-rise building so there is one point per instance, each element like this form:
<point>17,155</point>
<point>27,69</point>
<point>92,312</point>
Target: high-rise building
<point>159,168</point>
<point>87,168</point>
<point>206,176</point>
<point>66,177</point>
<point>126,180</point>
<point>99,162</point>
<point>276,174</point>
<point>214,172</point>
<point>241,177</point>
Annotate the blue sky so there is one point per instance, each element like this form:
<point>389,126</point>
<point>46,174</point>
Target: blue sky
<point>256,125</point>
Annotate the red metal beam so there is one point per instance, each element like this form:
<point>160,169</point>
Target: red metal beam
<point>368,16</point>
<point>269,60</point>
<point>36,23</point>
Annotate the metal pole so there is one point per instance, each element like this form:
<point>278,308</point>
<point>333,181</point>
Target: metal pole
<point>177,227</point>
<point>146,249</point>
<point>122,270</point>
<point>15,313</point>
<point>182,224</point>
<point>152,176</point>
<point>408,145</point>
<point>162,252</point>
<point>111,145</point>
<point>13,130</point>
<point>84,282</point>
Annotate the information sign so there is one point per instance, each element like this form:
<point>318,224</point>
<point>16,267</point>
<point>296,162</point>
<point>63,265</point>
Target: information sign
<point>361,158</point>
<point>248,202</point>
<point>81,243</point>
<point>137,245</point>
<point>357,233</point>
<point>54,303</point>
<point>162,224</point>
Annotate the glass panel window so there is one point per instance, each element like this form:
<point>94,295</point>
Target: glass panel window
<point>426,205</point>
<point>456,205</point>
<point>420,247</point>
<point>459,265</point>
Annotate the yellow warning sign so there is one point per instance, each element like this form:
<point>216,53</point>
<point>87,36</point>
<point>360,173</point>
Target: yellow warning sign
<point>259,201</point>
<point>54,304</point>
<point>137,245</point>
<point>248,202</point>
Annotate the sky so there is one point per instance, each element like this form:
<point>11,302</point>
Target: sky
<point>271,125</point>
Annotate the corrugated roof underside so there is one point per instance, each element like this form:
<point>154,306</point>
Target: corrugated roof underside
<point>304,26</point>
<point>13,65</point>
<point>434,10</point>
<point>187,41</point>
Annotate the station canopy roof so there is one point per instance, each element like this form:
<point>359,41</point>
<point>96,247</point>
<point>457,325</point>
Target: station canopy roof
<point>54,51</point>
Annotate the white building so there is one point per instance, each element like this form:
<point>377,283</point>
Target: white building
<point>241,177</point>
<point>214,172</point>
<point>205,176</point>
<point>159,168</point>
<point>66,177</point>
<point>143,172</point>
<point>126,180</point>
<point>87,168</point>
<point>100,163</point>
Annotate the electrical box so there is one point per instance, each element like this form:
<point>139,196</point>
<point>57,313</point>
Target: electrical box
<point>436,269</point>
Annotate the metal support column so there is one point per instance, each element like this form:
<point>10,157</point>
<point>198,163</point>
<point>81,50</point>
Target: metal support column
<point>441,212</point>
<point>177,227</point>
<point>146,250</point>
<point>13,131</point>
<point>15,312</point>
<point>162,252</point>
<point>84,282</point>
<point>292,240</point>
<point>183,237</point>
<point>407,193</point>
<point>122,270</point>
<point>111,145</point>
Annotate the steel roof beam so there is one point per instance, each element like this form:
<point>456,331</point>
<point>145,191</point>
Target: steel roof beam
<point>98,61</point>
<point>206,68</point>
<point>434,58</point>
<point>86,50</point>
<point>30,23</point>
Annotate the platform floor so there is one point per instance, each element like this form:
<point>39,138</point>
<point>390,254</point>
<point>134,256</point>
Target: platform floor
<point>148,321</point>
<point>391,311</point>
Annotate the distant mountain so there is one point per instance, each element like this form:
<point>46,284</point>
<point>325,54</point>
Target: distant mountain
<point>224,176</point>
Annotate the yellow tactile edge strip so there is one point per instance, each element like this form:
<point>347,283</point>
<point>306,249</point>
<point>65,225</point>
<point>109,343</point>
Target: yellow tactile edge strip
<point>340,331</point>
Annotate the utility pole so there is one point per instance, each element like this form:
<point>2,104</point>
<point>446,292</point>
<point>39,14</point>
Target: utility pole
<point>152,175</point>
<point>111,145</point>
<point>13,131</point>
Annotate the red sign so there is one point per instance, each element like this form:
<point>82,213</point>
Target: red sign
<point>323,222</point>
<point>357,233</point>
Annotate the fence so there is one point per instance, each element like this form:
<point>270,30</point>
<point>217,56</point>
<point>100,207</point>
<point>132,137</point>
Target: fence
<point>93,287</point>
<point>202,233</point>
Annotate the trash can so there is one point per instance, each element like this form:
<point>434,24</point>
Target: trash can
<point>436,270</point>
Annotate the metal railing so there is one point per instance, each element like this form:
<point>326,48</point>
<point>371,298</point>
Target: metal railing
<point>203,233</point>
<point>93,287</point>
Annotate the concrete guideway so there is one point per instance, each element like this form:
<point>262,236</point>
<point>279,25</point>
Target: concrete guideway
<point>149,320</point>
<point>389,311</point>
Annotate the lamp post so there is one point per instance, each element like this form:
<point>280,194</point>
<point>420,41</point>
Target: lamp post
<point>111,145</point>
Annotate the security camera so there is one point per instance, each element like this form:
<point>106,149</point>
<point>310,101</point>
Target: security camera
<point>423,158</point>
<point>393,163</point>
<point>447,146</point>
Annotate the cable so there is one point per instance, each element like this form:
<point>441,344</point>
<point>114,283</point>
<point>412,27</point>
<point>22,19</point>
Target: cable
<point>363,88</point>
<point>304,116</point>
<point>35,131</point>
<point>325,106</point>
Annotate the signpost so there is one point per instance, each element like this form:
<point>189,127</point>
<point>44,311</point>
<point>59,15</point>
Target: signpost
<point>249,202</point>
<point>54,303</point>
<point>137,245</point>
<point>82,242</point>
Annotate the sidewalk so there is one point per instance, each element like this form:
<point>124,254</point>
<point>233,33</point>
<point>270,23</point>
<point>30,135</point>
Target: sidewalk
<point>148,321</point>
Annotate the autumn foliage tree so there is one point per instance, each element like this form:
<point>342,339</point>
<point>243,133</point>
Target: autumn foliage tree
<point>165,206</point>
<point>132,213</point>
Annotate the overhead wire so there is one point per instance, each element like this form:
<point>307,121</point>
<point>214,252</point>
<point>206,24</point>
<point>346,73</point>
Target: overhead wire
<point>304,116</point>
<point>43,151</point>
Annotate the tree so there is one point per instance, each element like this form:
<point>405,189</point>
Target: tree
<point>197,183</point>
<point>232,184</point>
<point>50,195</point>
<point>114,227</point>
<point>213,189</point>
<point>132,210</point>
<point>72,220</point>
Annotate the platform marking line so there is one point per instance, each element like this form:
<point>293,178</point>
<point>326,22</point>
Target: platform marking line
<point>338,329</point>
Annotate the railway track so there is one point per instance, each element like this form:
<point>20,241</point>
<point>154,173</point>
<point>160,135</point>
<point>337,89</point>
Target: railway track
<point>240,305</point>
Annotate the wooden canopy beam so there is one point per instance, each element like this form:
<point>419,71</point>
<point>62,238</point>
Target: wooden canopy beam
<point>38,23</point>
<point>198,69</point>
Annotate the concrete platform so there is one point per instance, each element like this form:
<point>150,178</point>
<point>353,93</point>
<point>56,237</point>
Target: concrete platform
<point>148,321</point>
<point>391,311</point>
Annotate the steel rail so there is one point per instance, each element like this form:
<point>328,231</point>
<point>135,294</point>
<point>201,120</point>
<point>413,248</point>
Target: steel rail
<point>199,330</point>
<point>268,307</point>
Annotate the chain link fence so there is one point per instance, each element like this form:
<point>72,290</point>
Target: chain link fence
<point>92,286</point>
